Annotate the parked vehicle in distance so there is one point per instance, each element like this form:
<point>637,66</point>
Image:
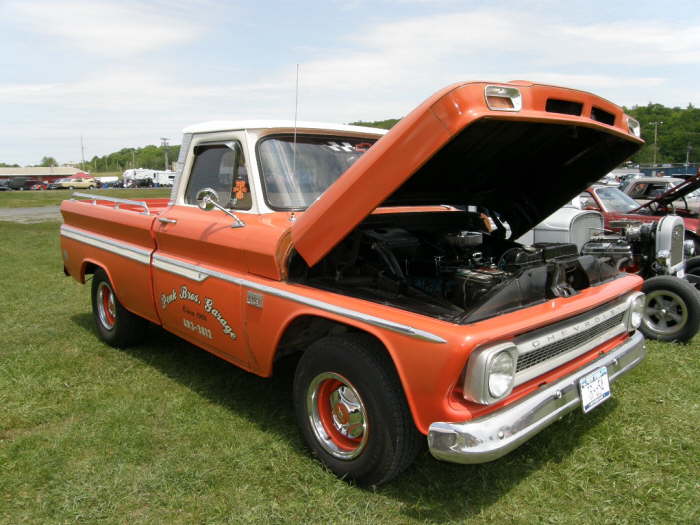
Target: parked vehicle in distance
<point>4,186</point>
<point>22,183</point>
<point>39,186</point>
<point>627,178</point>
<point>58,184</point>
<point>652,190</point>
<point>141,177</point>
<point>75,183</point>
<point>386,263</point>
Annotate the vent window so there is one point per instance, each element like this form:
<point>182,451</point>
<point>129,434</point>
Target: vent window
<point>563,106</point>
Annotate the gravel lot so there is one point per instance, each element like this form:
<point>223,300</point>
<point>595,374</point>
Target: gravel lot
<point>30,215</point>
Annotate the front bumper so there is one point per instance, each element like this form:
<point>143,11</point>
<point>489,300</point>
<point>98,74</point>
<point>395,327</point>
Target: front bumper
<point>492,436</point>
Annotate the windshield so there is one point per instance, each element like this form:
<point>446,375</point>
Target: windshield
<point>294,176</point>
<point>614,200</point>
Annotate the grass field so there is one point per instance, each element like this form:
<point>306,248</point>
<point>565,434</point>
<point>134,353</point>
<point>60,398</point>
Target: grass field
<point>29,199</point>
<point>166,433</point>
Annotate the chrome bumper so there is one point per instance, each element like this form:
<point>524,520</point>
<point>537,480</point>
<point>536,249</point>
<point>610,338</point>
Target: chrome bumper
<point>496,434</point>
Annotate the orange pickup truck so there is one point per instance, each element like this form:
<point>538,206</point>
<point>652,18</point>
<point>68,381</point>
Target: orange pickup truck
<point>386,261</point>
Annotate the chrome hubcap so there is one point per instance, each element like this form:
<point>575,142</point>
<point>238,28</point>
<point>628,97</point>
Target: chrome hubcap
<point>106,307</point>
<point>665,313</point>
<point>337,415</point>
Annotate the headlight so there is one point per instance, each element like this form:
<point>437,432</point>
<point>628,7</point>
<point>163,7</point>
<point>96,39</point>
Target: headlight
<point>689,247</point>
<point>636,303</point>
<point>501,374</point>
<point>490,373</point>
<point>634,127</point>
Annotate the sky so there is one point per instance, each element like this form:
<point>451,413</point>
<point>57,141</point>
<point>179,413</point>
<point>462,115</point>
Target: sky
<point>124,73</point>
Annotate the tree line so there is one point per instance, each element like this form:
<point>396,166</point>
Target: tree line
<point>673,133</point>
<point>677,132</point>
<point>149,157</point>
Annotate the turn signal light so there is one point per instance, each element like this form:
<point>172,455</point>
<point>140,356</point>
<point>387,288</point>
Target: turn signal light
<point>502,98</point>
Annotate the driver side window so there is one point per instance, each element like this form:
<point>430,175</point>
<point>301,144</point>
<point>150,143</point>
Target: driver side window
<point>222,168</point>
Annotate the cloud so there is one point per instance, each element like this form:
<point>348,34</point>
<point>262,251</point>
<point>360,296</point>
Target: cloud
<point>108,28</point>
<point>401,62</point>
<point>380,70</point>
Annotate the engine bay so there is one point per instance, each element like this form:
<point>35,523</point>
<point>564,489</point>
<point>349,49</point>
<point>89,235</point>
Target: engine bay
<point>455,265</point>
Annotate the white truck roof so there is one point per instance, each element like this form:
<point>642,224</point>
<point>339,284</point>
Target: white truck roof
<point>228,125</point>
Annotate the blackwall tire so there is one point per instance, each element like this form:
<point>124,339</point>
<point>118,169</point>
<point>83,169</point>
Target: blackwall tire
<point>692,266</point>
<point>352,411</point>
<point>672,311</point>
<point>115,325</point>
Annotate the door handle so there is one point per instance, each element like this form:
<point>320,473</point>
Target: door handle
<point>165,220</point>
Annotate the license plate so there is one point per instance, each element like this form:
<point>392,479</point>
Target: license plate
<point>594,389</point>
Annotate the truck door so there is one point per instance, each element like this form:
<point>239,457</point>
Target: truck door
<point>199,258</point>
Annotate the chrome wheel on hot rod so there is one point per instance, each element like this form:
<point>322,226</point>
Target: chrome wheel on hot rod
<point>352,411</point>
<point>672,311</point>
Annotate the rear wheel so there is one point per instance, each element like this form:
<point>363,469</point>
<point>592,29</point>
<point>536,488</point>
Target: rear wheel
<point>672,311</point>
<point>352,411</point>
<point>116,325</point>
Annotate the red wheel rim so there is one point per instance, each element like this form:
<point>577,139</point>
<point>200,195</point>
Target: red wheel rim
<point>337,415</point>
<point>106,305</point>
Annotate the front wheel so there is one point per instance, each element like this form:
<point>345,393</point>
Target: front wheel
<point>672,311</point>
<point>352,411</point>
<point>116,325</point>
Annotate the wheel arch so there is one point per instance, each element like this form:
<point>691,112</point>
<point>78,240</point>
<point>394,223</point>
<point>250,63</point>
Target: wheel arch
<point>322,325</point>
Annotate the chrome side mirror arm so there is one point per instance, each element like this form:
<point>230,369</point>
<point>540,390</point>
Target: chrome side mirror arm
<point>207,199</point>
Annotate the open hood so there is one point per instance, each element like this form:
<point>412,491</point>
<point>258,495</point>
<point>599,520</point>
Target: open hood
<point>520,155</point>
<point>677,192</point>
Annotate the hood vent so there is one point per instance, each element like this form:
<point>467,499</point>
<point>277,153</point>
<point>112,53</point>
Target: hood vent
<point>602,116</point>
<point>564,107</point>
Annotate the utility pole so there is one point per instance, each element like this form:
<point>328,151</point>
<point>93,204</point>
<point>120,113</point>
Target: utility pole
<point>133,159</point>
<point>656,136</point>
<point>82,154</point>
<point>164,145</point>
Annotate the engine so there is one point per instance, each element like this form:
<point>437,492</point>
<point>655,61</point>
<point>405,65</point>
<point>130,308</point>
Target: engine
<point>651,248</point>
<point>462,275</point>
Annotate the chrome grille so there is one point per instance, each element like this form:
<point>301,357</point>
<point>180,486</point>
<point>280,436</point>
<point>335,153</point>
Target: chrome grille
<point>545,353</point>
<point>677,239</point>
<point>584,226</point>
<point>552,346</point>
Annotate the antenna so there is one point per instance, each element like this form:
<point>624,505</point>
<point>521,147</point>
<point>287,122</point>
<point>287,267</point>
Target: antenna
<point>296,112</point>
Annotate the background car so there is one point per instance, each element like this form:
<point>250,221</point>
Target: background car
<point>75,183</point>
<point>22,183</point>
<point>647,189</point>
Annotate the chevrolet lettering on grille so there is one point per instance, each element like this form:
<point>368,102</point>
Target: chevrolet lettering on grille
<point>544,350</point>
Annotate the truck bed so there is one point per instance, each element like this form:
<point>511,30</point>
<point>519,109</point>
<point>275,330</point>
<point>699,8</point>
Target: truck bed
<point>115,234</point>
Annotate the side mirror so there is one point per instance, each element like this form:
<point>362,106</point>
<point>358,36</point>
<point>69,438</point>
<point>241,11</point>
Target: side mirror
<point>207,199</point>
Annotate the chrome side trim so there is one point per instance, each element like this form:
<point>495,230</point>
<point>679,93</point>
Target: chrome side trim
<point>179,268</point>
<point>117,201</point>
<point>135,253</point>
<point>189,270</point>
<point>494,435</point>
